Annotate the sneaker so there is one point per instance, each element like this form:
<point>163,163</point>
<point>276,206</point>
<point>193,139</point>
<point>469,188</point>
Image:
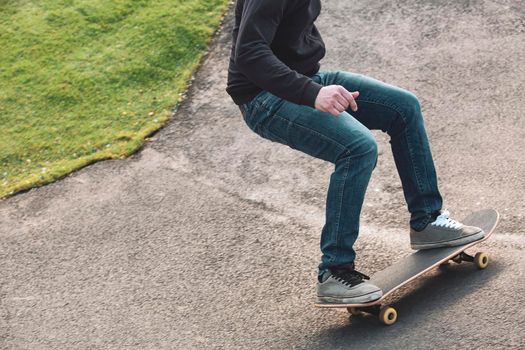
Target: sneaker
<point>444,232</point>
<point>346,286</point>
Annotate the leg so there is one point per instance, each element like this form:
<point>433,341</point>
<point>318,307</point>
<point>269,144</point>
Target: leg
<point>398,113</point>
<point>345,142</point>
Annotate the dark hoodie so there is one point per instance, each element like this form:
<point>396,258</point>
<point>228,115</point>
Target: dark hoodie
<point>276,47</point>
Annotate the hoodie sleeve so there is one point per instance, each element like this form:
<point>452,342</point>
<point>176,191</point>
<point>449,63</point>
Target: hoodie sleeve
<point>255,59</point>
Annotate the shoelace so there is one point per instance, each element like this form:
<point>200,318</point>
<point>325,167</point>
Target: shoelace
<point>444,220</point>
<point>350,277</point>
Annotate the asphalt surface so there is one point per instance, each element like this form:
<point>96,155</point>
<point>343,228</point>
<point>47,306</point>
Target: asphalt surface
<point>208,238</point>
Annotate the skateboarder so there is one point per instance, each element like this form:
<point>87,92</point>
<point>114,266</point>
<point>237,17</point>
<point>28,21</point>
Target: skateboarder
<point>274,77</point>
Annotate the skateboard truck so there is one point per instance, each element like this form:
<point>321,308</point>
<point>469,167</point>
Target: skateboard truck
<point>386,314</point>
<point>481,259</point>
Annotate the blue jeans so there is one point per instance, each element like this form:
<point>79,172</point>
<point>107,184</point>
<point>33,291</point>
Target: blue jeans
<point>347,142</point>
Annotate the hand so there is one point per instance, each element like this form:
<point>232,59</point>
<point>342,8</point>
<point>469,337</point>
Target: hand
<point>335,99</point>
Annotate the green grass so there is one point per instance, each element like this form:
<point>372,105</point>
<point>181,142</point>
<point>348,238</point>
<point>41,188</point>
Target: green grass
<point>82,81</point>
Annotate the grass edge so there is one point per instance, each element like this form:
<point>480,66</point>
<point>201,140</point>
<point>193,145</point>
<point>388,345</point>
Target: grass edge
<point>27,184</point>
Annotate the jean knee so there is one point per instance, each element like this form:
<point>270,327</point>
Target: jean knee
<point>372,152</point>
<point>371,146</point>
<point>364,147</point>
<point>412,108</point>
<point>412,100</point>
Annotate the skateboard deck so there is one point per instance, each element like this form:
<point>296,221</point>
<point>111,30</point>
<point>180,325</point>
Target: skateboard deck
<point>416,264</point>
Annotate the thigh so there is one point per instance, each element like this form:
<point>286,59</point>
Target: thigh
<point>316,133</point>
<point>380,105</point>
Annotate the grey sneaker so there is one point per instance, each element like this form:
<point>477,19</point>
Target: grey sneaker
<point>444,232</point>
<point>346,286</point>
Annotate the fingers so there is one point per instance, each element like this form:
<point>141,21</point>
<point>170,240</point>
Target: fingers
<point>340,107</point>
<point>335,109</point>
<point>341,101</point>
<point>346,94</point>
<point>333,112</point>
<point>350,97</point>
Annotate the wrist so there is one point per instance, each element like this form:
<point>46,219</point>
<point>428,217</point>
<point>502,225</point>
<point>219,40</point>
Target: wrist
<point>311,93</point>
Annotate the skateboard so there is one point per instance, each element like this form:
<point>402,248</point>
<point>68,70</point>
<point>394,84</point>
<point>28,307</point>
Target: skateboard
<point>416,264</point>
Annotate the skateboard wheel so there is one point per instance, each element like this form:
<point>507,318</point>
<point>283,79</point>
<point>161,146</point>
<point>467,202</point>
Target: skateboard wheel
<point>353,311</point>
<point>481,260</point>
<point>388,315</point>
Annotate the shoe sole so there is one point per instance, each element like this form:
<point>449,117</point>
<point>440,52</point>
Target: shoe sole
<point>452,243</point>
<point>361,299</point>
